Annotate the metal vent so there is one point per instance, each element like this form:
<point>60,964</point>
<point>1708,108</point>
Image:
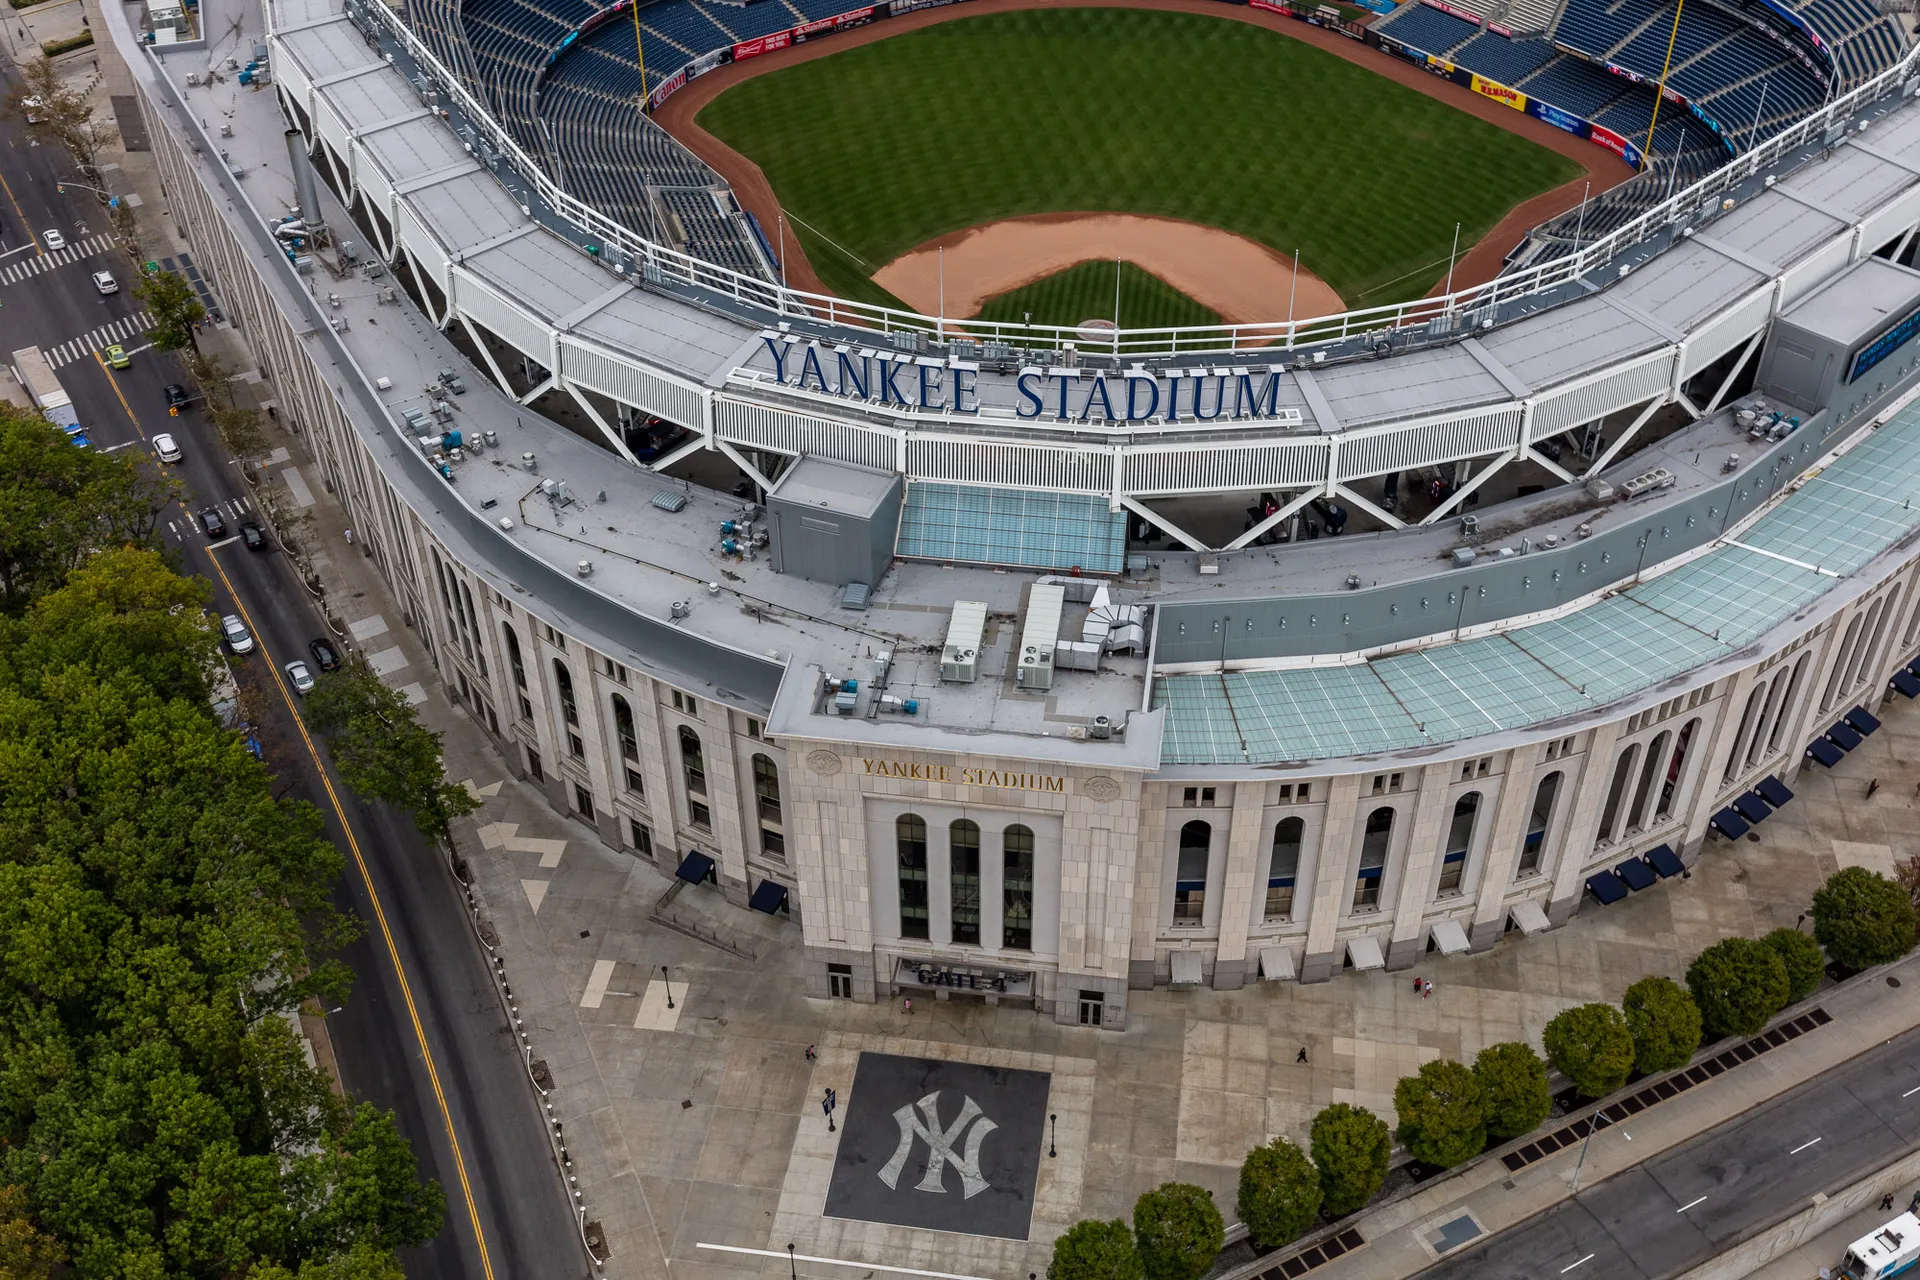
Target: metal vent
<point>670,501</point>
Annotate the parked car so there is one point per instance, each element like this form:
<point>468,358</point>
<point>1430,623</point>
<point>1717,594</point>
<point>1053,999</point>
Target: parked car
<point>53,239</point>
<point>325,655</point>
<point>213,522</point>
<point>238,638</point>
<point>117,357</point>
<point>165,449</point>
<point>253,536</point>
<point>105,283</point>
<point>301,678</point>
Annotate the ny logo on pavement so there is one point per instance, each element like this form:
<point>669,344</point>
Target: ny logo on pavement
<point>940,1146</point>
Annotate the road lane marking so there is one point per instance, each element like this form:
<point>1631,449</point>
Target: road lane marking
<point>1689,1204</point>
<point>1581,1263</point>
<point>32,238</point>
<point>1909,1093</point>
<point>114,448</point>
<point>115,384</point>
<point>224,542</point>
<point>845,1262</point>
<point>1802,1147</point>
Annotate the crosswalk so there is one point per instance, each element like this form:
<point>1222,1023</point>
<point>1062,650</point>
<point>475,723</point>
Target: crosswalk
<point>15,272</point>
<point>120,331</point>
<point>235,510</point>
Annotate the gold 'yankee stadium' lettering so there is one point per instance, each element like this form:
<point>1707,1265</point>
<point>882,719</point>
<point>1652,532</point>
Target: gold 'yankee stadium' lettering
<point>1006,780</point>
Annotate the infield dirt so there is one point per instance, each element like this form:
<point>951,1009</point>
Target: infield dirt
<point>1478,262</point>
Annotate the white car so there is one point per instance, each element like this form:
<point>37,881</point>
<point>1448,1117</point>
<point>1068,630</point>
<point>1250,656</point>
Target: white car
<point>105,283</point>
<point>302,678</point>
<point>239,639</point>
<point>165,448</point>
<point>53,239</point>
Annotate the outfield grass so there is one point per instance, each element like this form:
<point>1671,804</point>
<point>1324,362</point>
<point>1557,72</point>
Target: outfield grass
<point>882,147</point>
<point>1085,292</point>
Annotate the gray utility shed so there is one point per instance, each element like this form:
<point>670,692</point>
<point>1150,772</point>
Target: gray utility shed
<point>834,522</point>
<point>1853,325</point>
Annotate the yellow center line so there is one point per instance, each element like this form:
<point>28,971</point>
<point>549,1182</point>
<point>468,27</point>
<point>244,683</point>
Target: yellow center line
<point>366,878</point>
<point>32,239</point>
<point>121,396</point>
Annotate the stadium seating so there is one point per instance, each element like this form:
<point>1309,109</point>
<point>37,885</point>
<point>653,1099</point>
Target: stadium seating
<point>1498,58</point>
<point>1426,28</point>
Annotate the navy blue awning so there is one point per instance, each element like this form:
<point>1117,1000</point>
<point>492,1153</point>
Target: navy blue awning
<point>1729,824</point>
<point>1905,682</point>
<point>695,868</point>
<point>1606,886</point>
<point>1662,859</point>
<point>1843,736</point>
<point>1637,874</point>
<point>768,897</point>
<point>1862,719</point>
<point>1752,808</point>
<point>1913,668</point>
<point>1774,791</point>
<point>1825,753</point>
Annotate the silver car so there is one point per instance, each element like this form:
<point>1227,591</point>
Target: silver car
<point>301,678</point>
<point>239,639</point>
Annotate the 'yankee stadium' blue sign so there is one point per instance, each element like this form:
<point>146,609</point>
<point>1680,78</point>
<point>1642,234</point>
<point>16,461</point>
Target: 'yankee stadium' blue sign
<point>909,382</point>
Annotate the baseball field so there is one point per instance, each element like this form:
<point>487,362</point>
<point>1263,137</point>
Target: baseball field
<point>885,146</point>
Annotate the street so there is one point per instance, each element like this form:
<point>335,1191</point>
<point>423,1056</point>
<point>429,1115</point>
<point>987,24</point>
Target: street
<point>422,1032</point>
<point>1678,1210</point>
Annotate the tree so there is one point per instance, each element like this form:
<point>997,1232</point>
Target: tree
<point>1443,1113</point>
<point>1738,984</point>
<point>1590,1045</point>
<point>1664,1022</point>
<point>26,1252</point>
<point>1351,1147</point>
<point>1805,962</point>
<point>1513,1081</point>
<point>1279,1193</point>
<point>1095,1250</point>
<point>61,114</point>
<point>176,309</point>
<point>1177,1231</point>
<point>1862,918</point>
<point>383,751</point>
<point>1906,873</point>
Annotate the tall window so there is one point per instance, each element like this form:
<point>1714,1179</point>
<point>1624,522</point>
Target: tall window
<point>1190,873</point>
<point>479,654</point>
<point>693,765</point>
<point>1747,717</point>
<point>1373,859</point>
<point>1617,791</point>
<point>766,795</point>
<point>1535,846</point>
<point>519,670</point>
<point>1785,714</point>
<point>1283,868</point>
<point>563,681</point>
<point>1453,859</point>
<point>963,858</point>
<point>1649,774</point>
<point>1876,628</point>
<point>910,842</point>
<point>1016,888</point>
<point>1670,788</point>
<point>1836,679</point>
<point>623,725</point>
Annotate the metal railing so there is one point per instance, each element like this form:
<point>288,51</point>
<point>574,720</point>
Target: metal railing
<point>761,302</point>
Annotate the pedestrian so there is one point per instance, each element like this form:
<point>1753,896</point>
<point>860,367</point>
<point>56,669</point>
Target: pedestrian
<point>1915,1206</point>
<point>1873,785</point>
<point>1886,1203</point>
<point>906,1005</point>
<point>349,537</point>
<point>1426,989</point>
<point>811,1055</point>
<point>1417,986</point>
<point>1302,1056</point>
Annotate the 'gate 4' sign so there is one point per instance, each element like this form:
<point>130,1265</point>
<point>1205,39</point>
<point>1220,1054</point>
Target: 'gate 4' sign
<point>946,1145</point>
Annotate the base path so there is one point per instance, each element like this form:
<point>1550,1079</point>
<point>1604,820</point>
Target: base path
<point>1480,263</point>
<point>1243,281</point>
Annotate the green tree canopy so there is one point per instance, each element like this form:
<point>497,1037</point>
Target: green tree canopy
<point>383,751</point>
<point>1805,962</point>
<point>1738,983</point>
<point>1590,1045</point>
<point>1351,1147</point>
<point>170,298</point>
<point>62,113</point>
<point>1095,1250</point>
<point>1664,1023</point>
<point>1862,918</point>
<point>1178,1231</point>
<point>1279,1193</point>
<point>1513,1080</point>
<point>1443,1113</point>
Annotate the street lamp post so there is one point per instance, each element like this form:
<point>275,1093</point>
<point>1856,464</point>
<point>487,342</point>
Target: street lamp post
<point>1053,1122</point>
<point>668,979</point>
<point>792,1270</point>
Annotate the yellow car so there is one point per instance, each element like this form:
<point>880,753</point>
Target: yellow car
<point>118,357</point>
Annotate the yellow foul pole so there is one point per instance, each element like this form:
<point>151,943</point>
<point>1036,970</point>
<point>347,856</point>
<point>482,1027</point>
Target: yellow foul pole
<point>640,55</point>
<point>1658,94</point>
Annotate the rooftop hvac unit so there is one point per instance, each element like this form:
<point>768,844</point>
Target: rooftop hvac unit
<point>1045,603</point>
<point>1101,728</point>
<point>959,660</point>
<point>1647,482</point>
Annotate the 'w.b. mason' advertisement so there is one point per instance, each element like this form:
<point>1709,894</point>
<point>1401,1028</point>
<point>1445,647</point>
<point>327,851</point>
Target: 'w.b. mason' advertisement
<point>946,1145</point>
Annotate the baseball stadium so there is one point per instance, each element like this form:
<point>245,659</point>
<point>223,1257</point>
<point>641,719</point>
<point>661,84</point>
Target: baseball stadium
<point>1060,499</point>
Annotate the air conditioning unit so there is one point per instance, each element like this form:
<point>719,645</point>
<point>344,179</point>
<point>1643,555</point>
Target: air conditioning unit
<point>959,659</point>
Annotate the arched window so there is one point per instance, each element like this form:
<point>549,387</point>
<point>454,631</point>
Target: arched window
<point>1875,630</point>
<point>623,725</point>
<point>1649,774</point>
<point>1737,755</point>
<point>1913,627</point>
<point>766,788</point>
<point>1787,701</point>
<point>513,655</point>
<point>1616,792</point>
<point>963,869</point>
<point>563,681</point>
<point>910,843</point>
<point>1670,789</point>
<point>1453,858</point>
<point>1016,888</point>
<point>1842,659</point>
<point>693,762</point>
<point>1190,873</point>
<point>1533,849</point>
<point>1373,859</point>
<point>1284,867</point>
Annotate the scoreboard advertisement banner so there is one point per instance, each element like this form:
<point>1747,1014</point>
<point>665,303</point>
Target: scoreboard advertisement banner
<point>762,44</point>
<point>1499,92</point>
